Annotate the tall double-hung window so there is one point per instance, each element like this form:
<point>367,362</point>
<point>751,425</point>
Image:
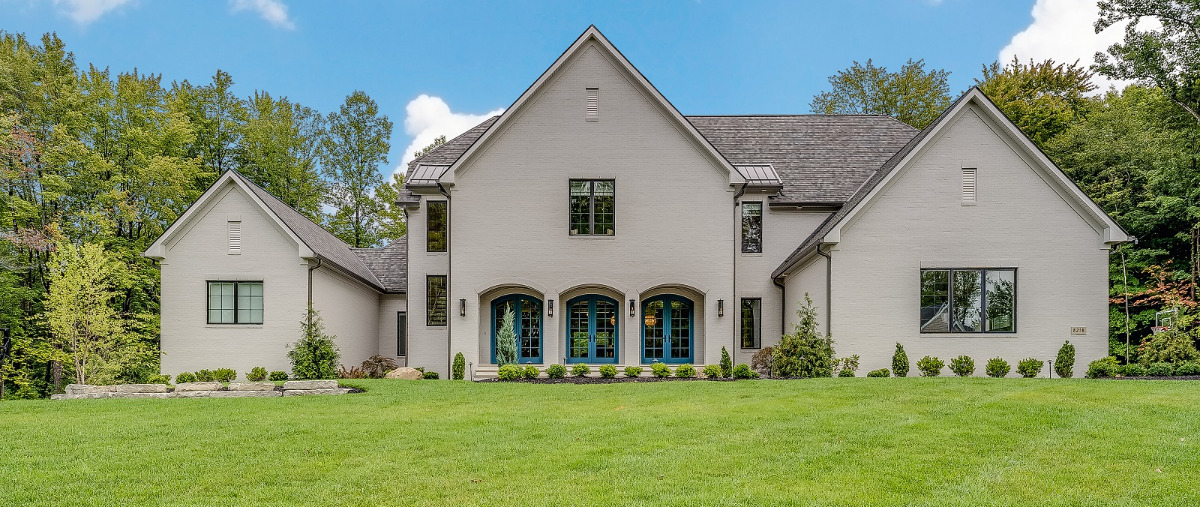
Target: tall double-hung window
<point>235,302</point>
<point>593,208</point>
<point>969,300</point>
<point>436,230</point>
<point>751,227</point>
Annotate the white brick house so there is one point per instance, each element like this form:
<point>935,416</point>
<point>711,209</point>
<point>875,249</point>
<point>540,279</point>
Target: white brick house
<point>620,231</point>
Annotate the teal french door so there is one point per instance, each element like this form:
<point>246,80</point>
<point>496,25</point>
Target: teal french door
<point>667,330</point>
<point>592,330</point>
<point>527,325</point>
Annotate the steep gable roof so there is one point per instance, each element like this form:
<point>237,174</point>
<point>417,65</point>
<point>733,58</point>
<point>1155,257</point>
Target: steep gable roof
<point>1113,232</point>
<point>312,239</point>
<point>389,264</point>
<point>589,37</point>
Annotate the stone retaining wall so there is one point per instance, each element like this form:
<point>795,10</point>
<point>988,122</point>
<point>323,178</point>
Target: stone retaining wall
<point>203,390</point>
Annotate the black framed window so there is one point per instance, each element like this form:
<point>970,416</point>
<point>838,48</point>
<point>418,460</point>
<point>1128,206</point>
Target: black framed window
<point>751,323</point>
<point>593,207</point>
<point>401,334</point>
<point>235,302</point>
<point>752,227</point>
<point>435,300</point>
<point>969,300</point>
<point>435,227</point>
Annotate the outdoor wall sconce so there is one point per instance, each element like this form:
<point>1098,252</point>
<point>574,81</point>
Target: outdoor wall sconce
<point>462,307</point>
<point>720,307</point>
<point>550,307</point>
<point>632,309</point>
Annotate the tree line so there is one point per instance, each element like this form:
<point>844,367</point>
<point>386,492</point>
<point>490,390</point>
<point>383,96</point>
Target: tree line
<point>95,165</point>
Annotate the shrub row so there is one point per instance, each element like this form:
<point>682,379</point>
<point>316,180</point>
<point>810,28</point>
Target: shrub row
<point>963,366</point>
<point>217,375</point>
<point>1108,367</point>
<point>512,372</point>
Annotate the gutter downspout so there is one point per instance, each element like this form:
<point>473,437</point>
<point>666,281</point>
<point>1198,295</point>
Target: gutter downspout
<point>449,271</point>
<point>828,291</point>
<point>307,313</point>
<point>736,247</point>
<point>783,305</point>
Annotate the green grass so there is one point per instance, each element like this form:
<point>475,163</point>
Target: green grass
<point>922,441</point>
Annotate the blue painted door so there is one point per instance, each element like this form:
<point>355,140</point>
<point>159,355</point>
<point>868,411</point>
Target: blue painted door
<point>667,330</point>
<point>527,325</point>
<point>592,330</point>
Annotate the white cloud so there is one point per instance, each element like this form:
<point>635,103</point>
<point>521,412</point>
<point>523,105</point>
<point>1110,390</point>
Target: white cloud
<point>271,10</point>
<point>1063,31</point>
<point>428,117</point>
<point>87,11</point>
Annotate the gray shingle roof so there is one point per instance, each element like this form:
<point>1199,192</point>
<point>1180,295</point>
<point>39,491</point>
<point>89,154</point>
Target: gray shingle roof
<point>319,240</point>
<point>820,158</point>
<point>390,264</point>
<point>813,240</point>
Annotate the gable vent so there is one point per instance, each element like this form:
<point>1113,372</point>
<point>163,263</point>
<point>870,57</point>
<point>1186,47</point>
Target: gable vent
<point>592,112</point>
<point>235,237</point>
<point>970,184</point>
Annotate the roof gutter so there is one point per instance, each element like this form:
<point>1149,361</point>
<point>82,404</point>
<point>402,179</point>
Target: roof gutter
<point>828,291</point>
<point>308,312</point>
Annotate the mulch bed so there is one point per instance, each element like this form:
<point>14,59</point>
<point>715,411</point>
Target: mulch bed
<point>602,380</point>
<point>1188,377</point>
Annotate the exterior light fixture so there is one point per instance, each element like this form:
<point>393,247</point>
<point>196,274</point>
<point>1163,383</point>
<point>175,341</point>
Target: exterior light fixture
<point>632,309</point>
<point>720,307</point>
<point>550,307</point>
<point>462,307</point>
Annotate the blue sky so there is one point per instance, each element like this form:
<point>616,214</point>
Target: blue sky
<point>475,58</point>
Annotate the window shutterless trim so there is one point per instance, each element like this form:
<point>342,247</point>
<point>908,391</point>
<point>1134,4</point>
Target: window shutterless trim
<point>591,211</point>
<point>430,302</point>
<point>444,230</point>
<point>745,244</point>
<point>982,298</point>
<point>756,326</point>
<point>236,284</point>
<point>402,334</point>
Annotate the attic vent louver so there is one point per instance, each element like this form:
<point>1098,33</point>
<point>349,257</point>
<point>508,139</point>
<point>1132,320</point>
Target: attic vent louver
<point>235,237</point>
<point>969,185</point>
<point>593,105</point>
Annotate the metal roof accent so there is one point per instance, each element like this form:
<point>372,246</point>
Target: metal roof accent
<point>760,176</point>
<point>426,175</point>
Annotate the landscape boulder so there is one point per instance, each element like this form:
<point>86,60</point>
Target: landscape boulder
<point>308,392</point>
<point>251,386</point>
<point>309,384</point>
<point>405,374</point>
<point>197,386</point>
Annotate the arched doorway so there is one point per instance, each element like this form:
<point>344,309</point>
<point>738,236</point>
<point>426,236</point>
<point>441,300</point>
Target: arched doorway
<point>592,334</point>
<point>667,329</point>
<point>527,325</point>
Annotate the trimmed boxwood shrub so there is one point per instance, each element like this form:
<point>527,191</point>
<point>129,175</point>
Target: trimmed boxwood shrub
<point>509,372</point>
<point>712,371</point>
<point>726,363</point>
<point>1030,367</point>
<point>459,369</point>
<point>530,371</point>
<point>224,374</point>
<point>882,372</point>
<point>685,370</point>
<point>580,370</point>
<point>430,375</point>
<point>608,371</point>
<point>205,376</point>
<point>186,376</point>
<point>278,376</point>
<point>257,374</point>
<point>1189,368</point>
<point>743,371</point>
<point>1102,368</point>
<point>633,371</point>
<point>1132,370</point>
<point>1064,364</point>
<point>996,367</point>
<point>845,372</point>
<point>1160,370</point>
<point>660,370</point>
<point>930,366</point>
<point>900,361</point>
<point>556,371</point>
<point>963,366</point>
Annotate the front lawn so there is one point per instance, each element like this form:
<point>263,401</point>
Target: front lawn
<point>888,441</point>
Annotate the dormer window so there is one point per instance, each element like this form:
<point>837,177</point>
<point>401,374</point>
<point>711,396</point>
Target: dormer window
<point>593,208</point>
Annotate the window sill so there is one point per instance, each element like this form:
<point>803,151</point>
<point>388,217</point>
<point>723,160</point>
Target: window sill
<point>969,335</point>
<point>752,254</point>
<point>593,237</point>
<point>233,326</point>
<point>435,254</point>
